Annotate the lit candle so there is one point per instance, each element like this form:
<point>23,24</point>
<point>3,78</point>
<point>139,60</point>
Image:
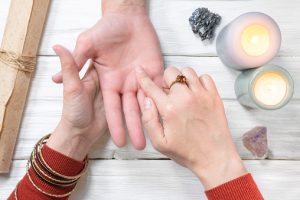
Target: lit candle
<point>269,87</point>
<point>249,41</point>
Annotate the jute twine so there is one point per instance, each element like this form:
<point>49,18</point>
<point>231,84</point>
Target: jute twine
<point>21,63</point>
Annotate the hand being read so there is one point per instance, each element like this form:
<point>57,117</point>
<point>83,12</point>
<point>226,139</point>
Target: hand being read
<point>117,44</point>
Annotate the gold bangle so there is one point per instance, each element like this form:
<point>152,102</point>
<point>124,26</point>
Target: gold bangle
<point>47,174</point>
<point>46,193</point>
<point>57,182</point>
<point>44,163</point>
<point>63,176</point>
<point>16,190</point>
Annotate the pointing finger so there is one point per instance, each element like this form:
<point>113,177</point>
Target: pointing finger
<point>151,89</point>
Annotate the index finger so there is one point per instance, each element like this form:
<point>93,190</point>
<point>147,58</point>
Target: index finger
<point>151,89</point>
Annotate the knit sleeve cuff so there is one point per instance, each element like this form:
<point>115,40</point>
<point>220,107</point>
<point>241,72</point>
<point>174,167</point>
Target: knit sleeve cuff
<point>31,186</point>
<point>60,163</point>
<point>242,188</point>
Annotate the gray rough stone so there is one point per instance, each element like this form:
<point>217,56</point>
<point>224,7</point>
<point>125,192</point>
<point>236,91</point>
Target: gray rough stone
<point>204,23</point>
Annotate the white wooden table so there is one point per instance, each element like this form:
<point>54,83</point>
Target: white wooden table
<point>127,174</point>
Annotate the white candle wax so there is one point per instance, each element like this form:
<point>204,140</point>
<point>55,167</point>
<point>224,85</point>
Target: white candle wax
<point>249,41</point>
<point>268,87</point>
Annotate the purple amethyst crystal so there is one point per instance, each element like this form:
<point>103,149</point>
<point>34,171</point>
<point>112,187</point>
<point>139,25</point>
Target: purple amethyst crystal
<point>256,141</point>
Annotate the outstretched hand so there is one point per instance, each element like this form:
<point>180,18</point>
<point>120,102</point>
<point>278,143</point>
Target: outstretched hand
<point>118,43</point>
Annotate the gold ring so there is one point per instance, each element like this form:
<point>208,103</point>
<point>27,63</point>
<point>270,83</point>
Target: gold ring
<point>179,79</point>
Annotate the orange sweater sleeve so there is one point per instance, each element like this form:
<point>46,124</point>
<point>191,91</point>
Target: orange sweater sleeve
<point>57,161</point>
<point>242,188</point>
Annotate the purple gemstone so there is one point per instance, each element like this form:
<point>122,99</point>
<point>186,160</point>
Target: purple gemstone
<point>256,141</point>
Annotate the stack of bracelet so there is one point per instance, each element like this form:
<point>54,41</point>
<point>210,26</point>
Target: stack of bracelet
<point>45,173</point>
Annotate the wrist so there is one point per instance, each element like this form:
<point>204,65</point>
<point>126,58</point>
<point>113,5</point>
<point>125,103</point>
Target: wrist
<point>69,141</point>
<point>124,6</point>
<point>221,173</point>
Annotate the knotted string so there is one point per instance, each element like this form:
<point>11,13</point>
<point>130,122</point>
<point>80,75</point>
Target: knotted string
<point>21,63</point>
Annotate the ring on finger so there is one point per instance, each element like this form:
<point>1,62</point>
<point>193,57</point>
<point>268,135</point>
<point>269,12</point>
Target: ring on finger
<point>179,79</point>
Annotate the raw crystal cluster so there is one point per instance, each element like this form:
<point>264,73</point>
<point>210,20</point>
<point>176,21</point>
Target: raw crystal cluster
<point>204,23</point>
<point>256,141</point>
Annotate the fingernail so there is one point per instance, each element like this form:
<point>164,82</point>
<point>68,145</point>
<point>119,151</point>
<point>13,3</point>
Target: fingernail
<point>139,70</point>
<point>147,103</point>
<point>55,47</point>
<point>206,79</point>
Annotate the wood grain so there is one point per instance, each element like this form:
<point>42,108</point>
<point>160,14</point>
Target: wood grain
<point>170,19</point>
<point>45,102</point>
<point>44,88</point>
<point>283,131</point>
<point>164,180</point>
<point>22,35</point>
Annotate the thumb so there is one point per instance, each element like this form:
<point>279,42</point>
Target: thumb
<point>151,121</point>
<point>70,74</point>
<point>82,52</point>
<point>84,49</point>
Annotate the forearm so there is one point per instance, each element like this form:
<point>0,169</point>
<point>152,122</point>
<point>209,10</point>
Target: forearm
<point>124,6</point>
<point>220,172</point>
<point>228,180</point>
<point>65,141</point>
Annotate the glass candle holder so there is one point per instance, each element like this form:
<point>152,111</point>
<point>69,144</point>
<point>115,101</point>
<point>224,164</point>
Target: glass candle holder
<point>269,87</point>
<point>249,41</point>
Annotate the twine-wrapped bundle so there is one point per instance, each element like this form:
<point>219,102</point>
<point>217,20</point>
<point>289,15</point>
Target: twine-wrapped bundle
<point>17,62</point>
<point>21,63</point>
<point>18,51</point>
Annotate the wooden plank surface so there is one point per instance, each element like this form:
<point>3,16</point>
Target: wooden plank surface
<point>45,101</point>
<point>23,31</point>
<point>283,131</point>
<point>164,180</point>
<point>170,19</point>
<point>224,77</point>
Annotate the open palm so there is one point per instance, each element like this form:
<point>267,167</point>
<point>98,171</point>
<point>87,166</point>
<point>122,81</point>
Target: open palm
<point>117,44</point>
